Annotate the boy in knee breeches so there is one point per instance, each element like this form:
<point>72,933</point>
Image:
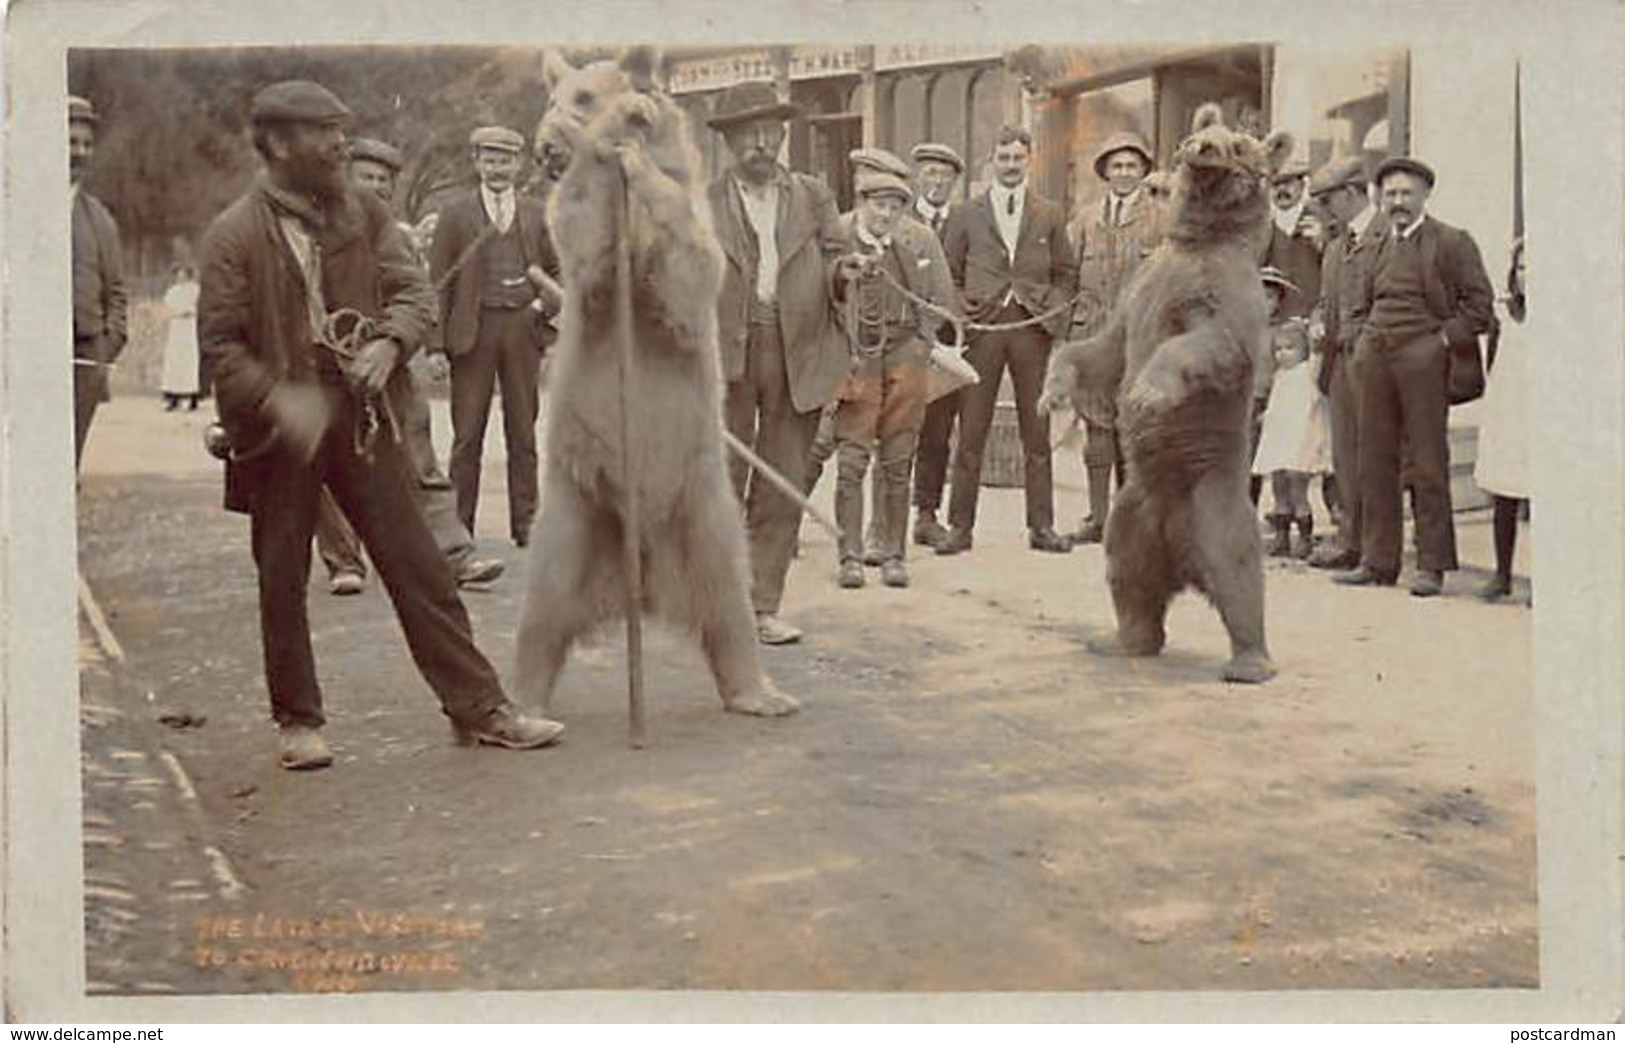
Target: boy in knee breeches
<point>890,265</point>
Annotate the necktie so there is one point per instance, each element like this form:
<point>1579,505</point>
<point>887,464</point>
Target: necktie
<point>1010,206</point>
<point>1117,211</point>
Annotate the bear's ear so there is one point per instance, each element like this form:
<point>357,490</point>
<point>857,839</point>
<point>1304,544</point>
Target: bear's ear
<point>555,67</point>
<point>1278,149</point>
<point>640,65</point>
<point>1208,114</point>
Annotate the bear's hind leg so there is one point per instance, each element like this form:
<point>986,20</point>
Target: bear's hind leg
<point>1226,557</point>
<point>1141,575</point>
<point>559,607</point>
<point>719,604</point>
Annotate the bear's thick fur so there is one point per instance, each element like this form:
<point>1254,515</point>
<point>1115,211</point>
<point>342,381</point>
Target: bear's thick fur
<point>603,118</point>
<point>1182,353</point>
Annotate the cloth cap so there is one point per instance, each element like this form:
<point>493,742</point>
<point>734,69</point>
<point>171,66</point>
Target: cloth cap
<point>751,100</point>
<point>80,110</point>
<point>378,152</point>
<point>1294,168</point>
<point>877,159</point>
<point>934,151</point>
<point>867,181</point>
<point>500,138</point>
<point>1350,170</point>
<point>1405,165</point>
<point>1123,139</point>
<point>297,101</point>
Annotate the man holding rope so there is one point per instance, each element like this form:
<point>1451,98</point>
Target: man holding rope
<point>310,307</point>
<point>1012,260</point>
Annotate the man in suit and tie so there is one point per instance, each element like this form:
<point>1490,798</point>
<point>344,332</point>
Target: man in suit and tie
<point>937,169</point>
<point>492,321</point>
<point>1013,263</point>
<point>1114,237</point>
<point>99,302</point>
<point>783,355</point>
<point>1425,293</point>
<point>1354,229</point>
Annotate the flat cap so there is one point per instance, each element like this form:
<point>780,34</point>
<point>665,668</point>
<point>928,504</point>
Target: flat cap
<point>935,151</point>
<point>1123,139</point>
<point>1350,170</point>
<point>868,181</point>
<point>748,101</point>
<point>1404,165</point>
<point>378,152</point>
<point>80,110</point>
<point>500,138</point>
<point>297,101</point>
<point>877,159</point>
<point>1295,168</point>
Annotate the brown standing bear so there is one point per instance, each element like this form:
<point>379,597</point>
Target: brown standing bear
<point>1183,355</point>
<point>605,117</point>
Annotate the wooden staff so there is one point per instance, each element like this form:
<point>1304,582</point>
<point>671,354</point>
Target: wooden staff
<point>631,529</point>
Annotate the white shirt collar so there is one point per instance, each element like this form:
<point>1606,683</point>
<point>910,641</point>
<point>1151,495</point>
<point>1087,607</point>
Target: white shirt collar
<point>929,210</point>
<point>1287,220</point>
<point>868,238</point>
<point>493,199</point>
<point>1409,230</point>
<point>1001,195</point>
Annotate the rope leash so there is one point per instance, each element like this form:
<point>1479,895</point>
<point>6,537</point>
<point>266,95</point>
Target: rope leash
<point>344,343</point>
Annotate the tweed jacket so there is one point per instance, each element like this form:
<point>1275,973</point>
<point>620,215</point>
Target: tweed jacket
<point>925,269</point>
<point>1109,255</point>
<point>1043,273</point>
<point>254,323</point>
<point>809,244</point>
<point>99,300</point>
<point>463,221</point>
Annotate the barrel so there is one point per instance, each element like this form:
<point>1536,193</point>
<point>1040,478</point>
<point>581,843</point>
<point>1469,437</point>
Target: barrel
<point>1002,465</point>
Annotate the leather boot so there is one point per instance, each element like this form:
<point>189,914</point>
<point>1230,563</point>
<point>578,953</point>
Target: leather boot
<point>1093,529</point>
<point>1305,543</point>
<point>928,532</point>
<point>1280,545</point>
<point>852,460</point>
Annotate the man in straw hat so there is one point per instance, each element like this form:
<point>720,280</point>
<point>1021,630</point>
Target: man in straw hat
<point>305,404</point>
<point>783,354</point>
<point>1114,236</point>
<point>889,257</point>
<point>1425,293</point>
<point>492,321</point>
<point>937,169</point>
<point>99,302</point>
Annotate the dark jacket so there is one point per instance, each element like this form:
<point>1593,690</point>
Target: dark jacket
<point>1340,277</point>
<point>925,272</point>
<point>254,323</point>
<point>809,243</point>
<point>1044,273</point>
<point>99,302</point>
<point>463,221</point>
<point>1297,258</point>
<point>1456,287</point>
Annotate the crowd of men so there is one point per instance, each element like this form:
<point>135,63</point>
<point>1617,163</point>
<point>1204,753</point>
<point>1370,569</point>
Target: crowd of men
<point>826,324</point>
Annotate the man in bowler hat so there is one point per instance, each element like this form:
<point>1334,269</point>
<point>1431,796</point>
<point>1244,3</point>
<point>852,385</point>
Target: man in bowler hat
<point>1425,292</point>
<point>491,321</point>
<point>99,301</point>
<point>782,353</point>
<point>298,246</point>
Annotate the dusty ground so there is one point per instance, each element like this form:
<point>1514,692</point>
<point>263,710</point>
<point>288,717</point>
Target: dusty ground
<point>970,800</point>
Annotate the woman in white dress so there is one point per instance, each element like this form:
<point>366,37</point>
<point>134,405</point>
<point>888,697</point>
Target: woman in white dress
<point>180,377</point>
<point>1502,468</point>
<point>1295,443</point>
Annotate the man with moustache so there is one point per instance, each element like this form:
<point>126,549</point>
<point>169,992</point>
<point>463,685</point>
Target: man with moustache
<point>301,411</point>
<point>937,169</point>
<point>99,301</point>
<point>491,321</point>
<point>1424,293</point>
<point>1013,263</point>
<point>1114,238</point>
<point>374,167</point>
<point>783,355</point>
<point>1354,231</point>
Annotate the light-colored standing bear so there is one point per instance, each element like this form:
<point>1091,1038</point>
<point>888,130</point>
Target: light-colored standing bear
<point>1183,355</point>
<point>603,118</point>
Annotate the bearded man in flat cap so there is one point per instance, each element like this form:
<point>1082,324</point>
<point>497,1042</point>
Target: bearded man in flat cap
<point>302,410</point>
<point>100,304</point>
<point>783,354</point>
<point>492,321</point>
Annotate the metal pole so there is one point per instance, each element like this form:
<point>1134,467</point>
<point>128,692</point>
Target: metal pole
<point>631,529</point>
